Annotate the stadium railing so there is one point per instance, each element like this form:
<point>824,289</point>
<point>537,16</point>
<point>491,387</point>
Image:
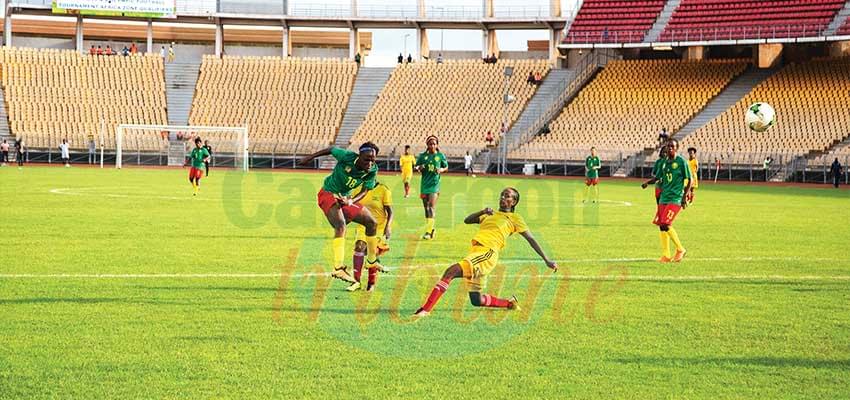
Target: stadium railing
<point>692,35</point>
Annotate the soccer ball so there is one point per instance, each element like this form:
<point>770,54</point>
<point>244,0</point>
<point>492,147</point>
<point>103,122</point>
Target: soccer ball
<point>760,116</point>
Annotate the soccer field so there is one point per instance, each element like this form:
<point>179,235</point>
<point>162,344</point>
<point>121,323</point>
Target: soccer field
<point>120,284</point>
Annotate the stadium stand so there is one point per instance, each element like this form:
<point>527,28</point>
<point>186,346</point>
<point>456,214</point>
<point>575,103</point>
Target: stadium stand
<point>810,101</point>
<point>290,105</point>
<point>55,94</point>
<point>732,19</point>
<point>845,29</point>
<point>459,100</point>
<point>601,21</point>
<point>622,110</point>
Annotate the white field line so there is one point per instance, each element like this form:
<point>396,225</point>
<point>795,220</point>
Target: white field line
<point>544,273</point>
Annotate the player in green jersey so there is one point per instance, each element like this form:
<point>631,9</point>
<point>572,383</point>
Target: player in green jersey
<point>352,170</point>
<point>675,184</point>
<point>656,173</point>
<point>431,164</point>
<point>592,164</point>
<point>197,158</point>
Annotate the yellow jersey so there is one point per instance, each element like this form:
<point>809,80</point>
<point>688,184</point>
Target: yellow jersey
<point>375,201</point>
<point>496,228</point>
<point>694,167</point>
<point>406,162</point>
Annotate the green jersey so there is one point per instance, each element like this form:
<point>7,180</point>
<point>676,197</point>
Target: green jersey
<point>197,156</point>
<point>346,176</point>
<point>673,175</point>
<point>429,164</point>
<point>656,170</point>
<point>590,165</point>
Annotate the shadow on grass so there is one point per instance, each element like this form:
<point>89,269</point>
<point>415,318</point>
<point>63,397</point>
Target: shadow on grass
<point>792,362</point>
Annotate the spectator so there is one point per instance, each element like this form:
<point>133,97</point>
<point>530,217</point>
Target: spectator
<point>605,34</point>
<point>538,78</point>
<point>4,153</point>
<point>125,51</point>
<point>171,52</point>
<point>663,136</point>
<point>835,169</point>
<point>92,50</point>
<point>409,58</point>
<point>400,58</point>
<point>544,130</point>
<point>467,164</point>
<point>92,151</point>
<point>133,48</point>
<point>439,58</point>
<point>530,79</point>
<point>489,139</point>
<point>357,59</point>
<point>99,51</point>
<point>766,165</point>
<point>66,156</point>
<point>108,51</point>
<point>19,152</point>
<point>162,52</point>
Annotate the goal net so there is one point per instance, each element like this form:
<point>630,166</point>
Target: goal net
<point>229,144</point>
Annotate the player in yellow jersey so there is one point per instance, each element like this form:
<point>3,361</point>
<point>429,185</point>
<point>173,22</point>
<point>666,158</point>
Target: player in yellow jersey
<point>693,165</point>
<point>406,163</point>
<point>495,228</point>
<point>379,202</point>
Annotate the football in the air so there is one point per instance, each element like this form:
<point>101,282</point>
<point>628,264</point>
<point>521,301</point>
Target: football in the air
<point>760,116</point>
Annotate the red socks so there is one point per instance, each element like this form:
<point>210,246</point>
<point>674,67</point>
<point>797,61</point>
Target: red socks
<point>436,293</point>
<point>492,301</point>
<point>373,277</point>
<point>358,265</point>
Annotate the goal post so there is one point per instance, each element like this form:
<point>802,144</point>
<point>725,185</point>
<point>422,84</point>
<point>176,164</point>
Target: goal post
<point>228,143</point>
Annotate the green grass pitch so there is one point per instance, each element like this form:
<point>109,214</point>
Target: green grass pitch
<point>119,284</point>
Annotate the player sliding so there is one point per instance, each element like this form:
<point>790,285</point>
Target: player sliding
<point>495,228</point>
<point>432,163</point>
<point>406,162</point>
<point>675,183</point>
<point>351,171</point>
<point>379,202</point>
<point>198,157</point>
<point>591,174</point>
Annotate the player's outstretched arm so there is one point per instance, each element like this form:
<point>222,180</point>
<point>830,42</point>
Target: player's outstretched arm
<point>475,217</point>
<point>536,246</point>
<point>311,157</point>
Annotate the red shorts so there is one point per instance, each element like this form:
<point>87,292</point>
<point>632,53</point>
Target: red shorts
<point>591,181</point>
<point>327,200</point>
<point>424,196</point>
<point>657,194</point>
<point>195,173</point>
<point>666,214</point>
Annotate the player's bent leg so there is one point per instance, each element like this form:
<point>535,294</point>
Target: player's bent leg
<point>485,300</point>
<point>337,221</point>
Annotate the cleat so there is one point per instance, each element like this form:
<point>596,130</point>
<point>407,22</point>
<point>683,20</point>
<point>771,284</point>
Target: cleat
<point>353,287</point>
<point>514,304</point>
<point>342,274</point>
<point>421,313</point>
<point>370,288</point>
<point>664,259</point>
<point>680,254</point>
<point>427,236</point>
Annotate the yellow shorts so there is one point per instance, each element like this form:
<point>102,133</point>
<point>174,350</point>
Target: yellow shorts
<point>477,265</point>
<point>360,234</point>
<point>406,176</point>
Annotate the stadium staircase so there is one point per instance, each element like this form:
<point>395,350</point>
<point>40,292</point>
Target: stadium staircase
<point>5,132</point>
<point>367,87</point>
<point>734,92</point>
<point>180,80</point>
<point>655,32</point>
<point>838,21</point>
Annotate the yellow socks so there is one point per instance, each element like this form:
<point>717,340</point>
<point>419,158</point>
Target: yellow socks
<point>665,244</point>
<point>338,250</point>
<point>675,238</point>
<point>429,225</point>
<point>371,250</point>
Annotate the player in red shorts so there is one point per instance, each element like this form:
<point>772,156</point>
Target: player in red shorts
<point>591,173</point>
<point>352,170</point>
<point>197,158</point>
<point>675,183</point>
